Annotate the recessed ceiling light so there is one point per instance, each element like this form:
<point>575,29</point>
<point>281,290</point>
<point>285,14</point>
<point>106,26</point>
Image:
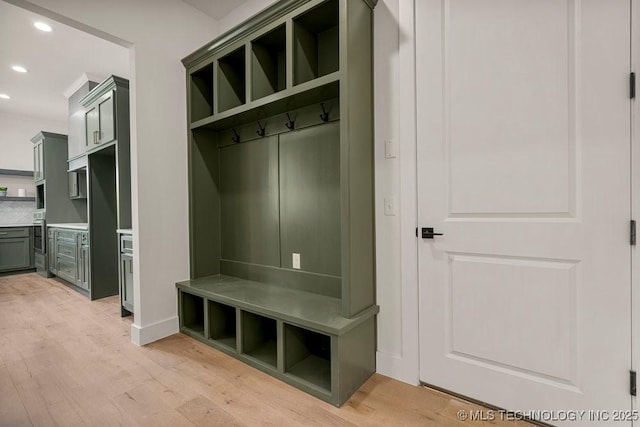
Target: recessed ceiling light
<point>4,96</point>
<point>19,69</point>
<point>42,26</point>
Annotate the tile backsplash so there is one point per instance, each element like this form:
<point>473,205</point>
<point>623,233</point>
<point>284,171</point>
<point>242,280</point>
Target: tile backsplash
<point>16,212</point>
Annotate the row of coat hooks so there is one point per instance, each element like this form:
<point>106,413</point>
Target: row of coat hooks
<point>291,125</point>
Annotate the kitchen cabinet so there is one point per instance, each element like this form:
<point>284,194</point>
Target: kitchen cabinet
<point>281,185</point>
<point>16,248</point>
<point>52,179</point>
<point>100,121</point>
<point>126,272</point>
<point>69,256</point>
<point>51,252</point>
<point>38,161</point>
<point>78,184</point>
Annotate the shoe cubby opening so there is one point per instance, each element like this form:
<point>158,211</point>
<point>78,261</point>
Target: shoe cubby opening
<point>316,42</point>
<point>193,313</point>
<point>259,338</point>
<point>307,356</point>
<point>269,63</point>
<point>202,93</point>
<point>222,324</point>
<point>232,80</point>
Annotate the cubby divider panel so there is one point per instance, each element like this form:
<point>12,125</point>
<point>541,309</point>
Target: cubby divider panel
<point>202,93</point>
<point>316,42</point>
<point>269,63</point>
<point>222,324</point>
<point>192,310</point>
<point>232,80</point>
<point>259,338</point>
<point>307,356</point>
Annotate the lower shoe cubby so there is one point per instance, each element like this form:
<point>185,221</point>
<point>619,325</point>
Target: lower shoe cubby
<point>295,336</point>
<point>192,314</point>
<point>307,356</point>
<point>260,338</point>
<point>222,325</point>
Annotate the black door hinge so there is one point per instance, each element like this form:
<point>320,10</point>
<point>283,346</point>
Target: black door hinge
<point>632,85</point>
<point>632,383</point>
<point>632,232</point>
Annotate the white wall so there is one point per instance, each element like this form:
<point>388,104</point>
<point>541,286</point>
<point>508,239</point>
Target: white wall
<point>159,33</point>
<point>16,131</point>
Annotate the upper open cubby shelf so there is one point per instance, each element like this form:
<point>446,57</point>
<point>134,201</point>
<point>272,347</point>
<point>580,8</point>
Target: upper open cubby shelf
<point>201,87</point>
<point>269,63</point>
<point>316,47</point>
<point>232,80</point>
<point>293,56</point>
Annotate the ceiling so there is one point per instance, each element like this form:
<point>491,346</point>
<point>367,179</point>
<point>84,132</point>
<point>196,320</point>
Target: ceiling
<point>217,9</point>
<point>55,61</point>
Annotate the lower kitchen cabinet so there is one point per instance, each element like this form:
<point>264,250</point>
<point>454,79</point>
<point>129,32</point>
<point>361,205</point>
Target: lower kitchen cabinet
<point>69,256</point>
<point>16,249</point>
<point>126,273</point>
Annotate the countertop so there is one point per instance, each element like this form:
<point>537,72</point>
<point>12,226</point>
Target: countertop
<point>16,225</point>
<point>72,226</point>
<point>124,231</point>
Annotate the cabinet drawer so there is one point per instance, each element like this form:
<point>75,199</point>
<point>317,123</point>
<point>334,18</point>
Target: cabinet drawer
<point>66,249</point>
<point>126,244</point>
<point>14,232</point>
<point>67,269</point>
<point>67,235</point>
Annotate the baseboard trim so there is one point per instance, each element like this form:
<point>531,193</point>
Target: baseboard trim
<point>143,335</point>
<point>393,366</point>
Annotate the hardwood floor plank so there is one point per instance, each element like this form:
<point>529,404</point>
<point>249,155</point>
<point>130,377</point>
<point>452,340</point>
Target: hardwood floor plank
<point>65,360</point>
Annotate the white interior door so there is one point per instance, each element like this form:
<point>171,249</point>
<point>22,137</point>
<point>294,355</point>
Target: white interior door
<point>523,116</point>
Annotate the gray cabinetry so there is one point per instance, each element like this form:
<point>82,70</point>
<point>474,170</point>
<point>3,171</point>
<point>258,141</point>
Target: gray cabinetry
<point>69,256</point>
<point>126,273</point>
<point>100,121</point>
<point>107,136</point>
<point>84,265</point>
<point>78,184</point>
<point>281,195</point>
<point>38,161</point>
<point>16,248</point>
<point>51,252</point>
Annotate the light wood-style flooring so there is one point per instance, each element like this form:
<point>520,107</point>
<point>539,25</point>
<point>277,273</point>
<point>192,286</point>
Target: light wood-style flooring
<point>67,361</point>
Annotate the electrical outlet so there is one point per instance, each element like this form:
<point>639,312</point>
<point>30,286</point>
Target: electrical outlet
<point>296,261</point>
<point>390,206</point>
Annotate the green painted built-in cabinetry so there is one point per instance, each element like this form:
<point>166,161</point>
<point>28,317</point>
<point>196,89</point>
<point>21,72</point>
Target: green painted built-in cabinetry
<point>281,187</point>
<point>106,144</point>
<point>125,271</point>
<point>69,254</point>
<point>16,249</point>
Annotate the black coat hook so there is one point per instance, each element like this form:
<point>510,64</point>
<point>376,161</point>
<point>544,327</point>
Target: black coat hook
<point>291,124</point>
<point>235,138</point>
<point>262,131</point>
<point>325,115</point>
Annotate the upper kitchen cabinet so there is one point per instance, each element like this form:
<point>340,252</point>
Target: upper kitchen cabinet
<point>77,143</point>
<point>38,160</point>
<point>106,113</point>
<point>50,175</point>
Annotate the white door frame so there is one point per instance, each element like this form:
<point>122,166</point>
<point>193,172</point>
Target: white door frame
<point>408,192</point>
<point>635,196</point>
<point>407,157</point>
